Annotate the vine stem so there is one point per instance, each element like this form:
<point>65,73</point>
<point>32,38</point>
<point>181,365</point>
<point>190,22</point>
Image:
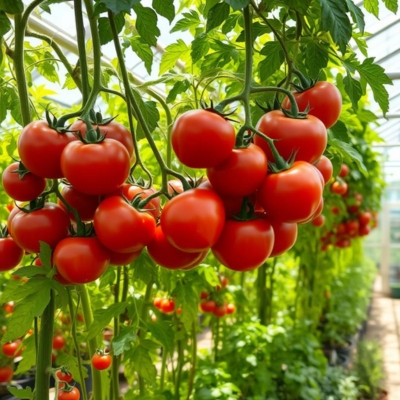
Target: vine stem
<point>163,368</point>
<point>115,363</point>
<point>194,361</point>
<point>179,369</point>
<point>262,294</point>
<point>216,339</point>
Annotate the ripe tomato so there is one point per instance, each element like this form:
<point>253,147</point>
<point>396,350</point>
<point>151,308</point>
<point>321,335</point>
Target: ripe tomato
<point>175,186</point>
<point>208,306</point>
<point>339,187</point>
<point>101,361</point>
<point>123,258</point>
<point>202,139</point>
<point>203,295</point>
<point>318,221</point>
<point>166,255</point>
<point>25,189</point>
<point>96,169</point>
<point>343,243</point>
<point>112,130</point>
<point>344,170</point>
<point>244,245</point>
<point>364,230</point>
<point>352,227</point>
<point>157,302</point>
<point>12,349</point>
<point>167,306</point>
<point>9,307</point>
<point>285,237</point>
<point>153,206</point>
<point>365,218</point>
<point>10,254</point>
<point>59,342</point>
<point>83,203</point>
<point>80,259</point>
<point>324,166</point>
<point>335,210</point>
<point>324,101</point>
<point>130,230</point>
<point>6,373</point>
<point>49,224</point>
<point>220,310</point>
<point>307,137</point>
<point>292,195</point>
<point>64,376</point>
<point>11,216</point>
<point>241,173</point>
<point>72,394</point>
<point>193,220</point>
<point>224,281</point>
<point>230,308</point>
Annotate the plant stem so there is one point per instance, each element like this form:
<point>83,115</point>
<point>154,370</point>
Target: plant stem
<point>43,370</point>
<point>194,361</point>
<point>115,362</point>
<point>271,290</point>
<point>216,339</point>
<point>262,293</point>
<point>163,368</point>
<point>179,369</point>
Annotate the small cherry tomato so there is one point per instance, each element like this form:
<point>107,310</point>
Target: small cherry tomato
<point>208,306</point>
<point>167,306</point>
<point>230,308</point>
<point>59,342</point>
<point>101,361</point>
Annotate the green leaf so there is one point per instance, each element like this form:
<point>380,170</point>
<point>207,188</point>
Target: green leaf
<point>298,5</point>
<point>146,24</point>
<point>21,393</point>
<point>61,290</point>
<point>172,54</point>
<point>14,291</point>
<point>372,6</point>
<point>356,14</point>
<point>71,362</point>
<point>143,50</point>
<point>105,27</point>
<point>143,363</point>
<point>222,55</point>
<point>217,15</point>
<point>145,269</point>
<point>178,88</point>
<point>5,24</point>
<point>353,89</point>
<point>336,21</point>
<point>317,57</point>
<point>45,5</point>
<point>392,5</point>
<point>116,6</point>
<point>150,113</point>
<point>102,318</point>
<point>12,6</point>
<point>165,8</point>
<point>29,356</point>
<point>123,341</point>
<point>28,271</point>
<point>238,4</point>
<point>272,62</point>
<point>200,47</point>
<point>45,256</point>
<point>375,76</point>
<point>108,278</point>
<point>163,332</point>
<point>210,274</point>
<point>190,21</point>
<point>339,131</point>
<point>187,300</point>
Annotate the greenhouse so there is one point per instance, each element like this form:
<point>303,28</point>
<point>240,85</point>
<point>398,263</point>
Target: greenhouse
<point>200,199</point>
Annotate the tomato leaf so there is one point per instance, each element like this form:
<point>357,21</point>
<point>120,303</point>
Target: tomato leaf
<point>146,24</point>
<point>217,15</point>
<point>28,271</point>
<point>61,290</point>
<point>5,24</point>
<point>257,30</point>
<point>14,291</point>
<point>392,5</point>
<point>123,341</point>
<point>222,55</point>
<point>200,47</point>
<point>372,6</point>
<point>173,53</point>
<point>316,57</point>
<point>45,256</point>
<point>12,7</point>
<point>336,21</point>
<point>105,27</point>
<point>238,4</point>
<point>145,269</point>
<point>272,62</point>
<point>187,300</point>
<point>163,332</point>
<point>121,5</point>
<point>339,131</point>
<point>143,51</point>
<point>143,364</point>
<point>353,89</point>
<point>178,88</point>
<point>21,393</point>
<point>107,279</point>
<point>190,22</point>
<point>356,14</point>
<point>210,274</point>
<point>45,5</point>
<point>29,358</point>
<point>165,8</point>
<point>70,361</point>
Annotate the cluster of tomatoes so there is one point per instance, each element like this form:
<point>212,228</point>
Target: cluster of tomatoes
<point>165,305</point>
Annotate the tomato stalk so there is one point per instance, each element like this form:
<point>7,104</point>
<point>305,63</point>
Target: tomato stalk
<point>179,368</point>
<point>114,388</point>
<point>216,339</point>
<point>163,368</point>
<point>262,293</point>
<point>271,290</point>
<point>193,361</point>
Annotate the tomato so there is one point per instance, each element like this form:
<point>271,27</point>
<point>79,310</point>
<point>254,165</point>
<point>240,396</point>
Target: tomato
<point>112,130</point>
<point>292,195</point>
<point>49,224</point>
<point>26,188</point>
<point>306,137</point>
<point>318,221</point>
<point>193,220</point>
<point>175,186</point>
<point>10,254</point>
<point>230,308</point>
<point>157,302</point>
<point>220,310</point>
<point>339,187</point>
<point>202,139</point>
<point>285,237</point>
<point>85,204</point>
<point>12,349</point>
<point>203,295</point>
<point>9,307</point>
<point>166,255</point>
<point>64,376</point>
<point>241,173</point>
<point>244,245</point>
<point>153,206</point>
<point>341,228</point>
<point>323,100</point>
<point>224,281</point>
<point>352,227</point>
<point>324,166</point>
<point>179,311</point>
<point>344,170</point>
<point>123,258</point>
<point>167,306</point>
<point>343,243</point>
<point>40,148</point>
<point>130,231</point>
<point>11,216</point>
<point>6,374</point>
<point>358,199</point>
<point>95,169</point>
<point>365,218</point>
<point>72,394</point>
<point>208,306</point>
<point>80,259</point>
<point>364,230</point>
<point>101,361</point>
<point>335,210</point>
<point>59,342</point>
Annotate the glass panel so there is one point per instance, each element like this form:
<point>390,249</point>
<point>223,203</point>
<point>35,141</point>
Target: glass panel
<point>395,224</point>
<point>395,265</point>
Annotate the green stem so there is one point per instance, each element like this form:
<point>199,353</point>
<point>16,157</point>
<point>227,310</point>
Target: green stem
<point>92,343</point>
<point>43,370</point>
<point>216,339</point>
<point>163,368</point>
<point>179,369</point>
<point>194,361</point>
<point>271,290</point>
<point>262,294</point>
<point>115,363</point>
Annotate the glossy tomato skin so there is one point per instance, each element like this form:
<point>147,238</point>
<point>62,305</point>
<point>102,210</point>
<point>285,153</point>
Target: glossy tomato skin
<point>292,195</point>
<point>339,187</point>
<point>11,216</point>
<point>65,377</point>
<point>208,306</point>
<point>154,206</point>
<point>324,166</point>
<point>6,373</point>
<point>244,245</point>
<point>167,306</point>
<point>113,130</point>
<point>157,302</point>
<point>220,310</point>
<point>241,173</point>
<point>40,148</point>
<point>323,100</point>
<point>344,170</point>
<point>166,255</point>
<point>308,137</point>
<point>49,224</point>
<point>202,139</point>
<point>131,230</point>
<point>73,394</point>
<point>10,254</point>
<point>25,189</point>
<point>193,220</point>
<point>123,258</point>
<point>96,169</point>
<point>59,342</point>
<point>175,186</point>
<point>365,218</point>
<point>80,260</point>
<point>318,221</point>
<point>101,361</point>
<point>285,234</point>
<point>12,349</point>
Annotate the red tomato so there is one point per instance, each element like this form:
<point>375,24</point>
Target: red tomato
<point>220,310</point>
<point>343,243</point>
<point>306,137</point>
<point>203,255</point>
<point>335,210</point>
<point>9,307</point>
<point>59,342</point>
<point>12,349</point>
<point>365,218</point>
<point>318,221</point>
<point>339,187</point>
<point>364,230</point>
<point>285,237</point>
<point>230,308</point>
<point>208,306</point>
<point>324,166</point>
<point>175,186</point>
<point>344,170</point>
<point>153,206</point>
<point>11,216</point>
<point>64,376</point>
<point>202,139</point>
<point>241,173</point>
<point>112,130</point>
<point>166,255</point>
<point>101,361</point>
<point>203,295</point>
<point>123,258</point>
<point>25,189</point>
<point>72,394</point>
<point>224,281</point>
<point>323,100</point>
<point>10,254</point>
<point>40,148</point>
<point>292,195</point>
<point>167,306</point>
<point>96,169</point>
<point>352,227</point>
<point>80,259</point>
<point>244,245</point>
<point>193,220</point>
<point>341,228</point>
<point>83,203</point>
<point>49,224</point>
<point>157,302</point>
<point>130,231</point>
<point>6,373</point>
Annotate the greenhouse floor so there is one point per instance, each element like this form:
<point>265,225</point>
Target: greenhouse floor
<point>384,326</point>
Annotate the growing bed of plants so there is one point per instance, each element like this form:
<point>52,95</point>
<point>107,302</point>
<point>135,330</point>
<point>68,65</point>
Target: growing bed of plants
<point>233,206</point>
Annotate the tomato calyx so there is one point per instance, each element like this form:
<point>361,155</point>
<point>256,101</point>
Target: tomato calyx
<point>93,136</point>
<point>3,231</point>
<point>96,118</point>
<point>305,83</point>
<point>21,170</point>
<point>53,123</point>
<point>34,205</point>
<point>216,110</point>
<point>246,212</point>
<point>67,387</point>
